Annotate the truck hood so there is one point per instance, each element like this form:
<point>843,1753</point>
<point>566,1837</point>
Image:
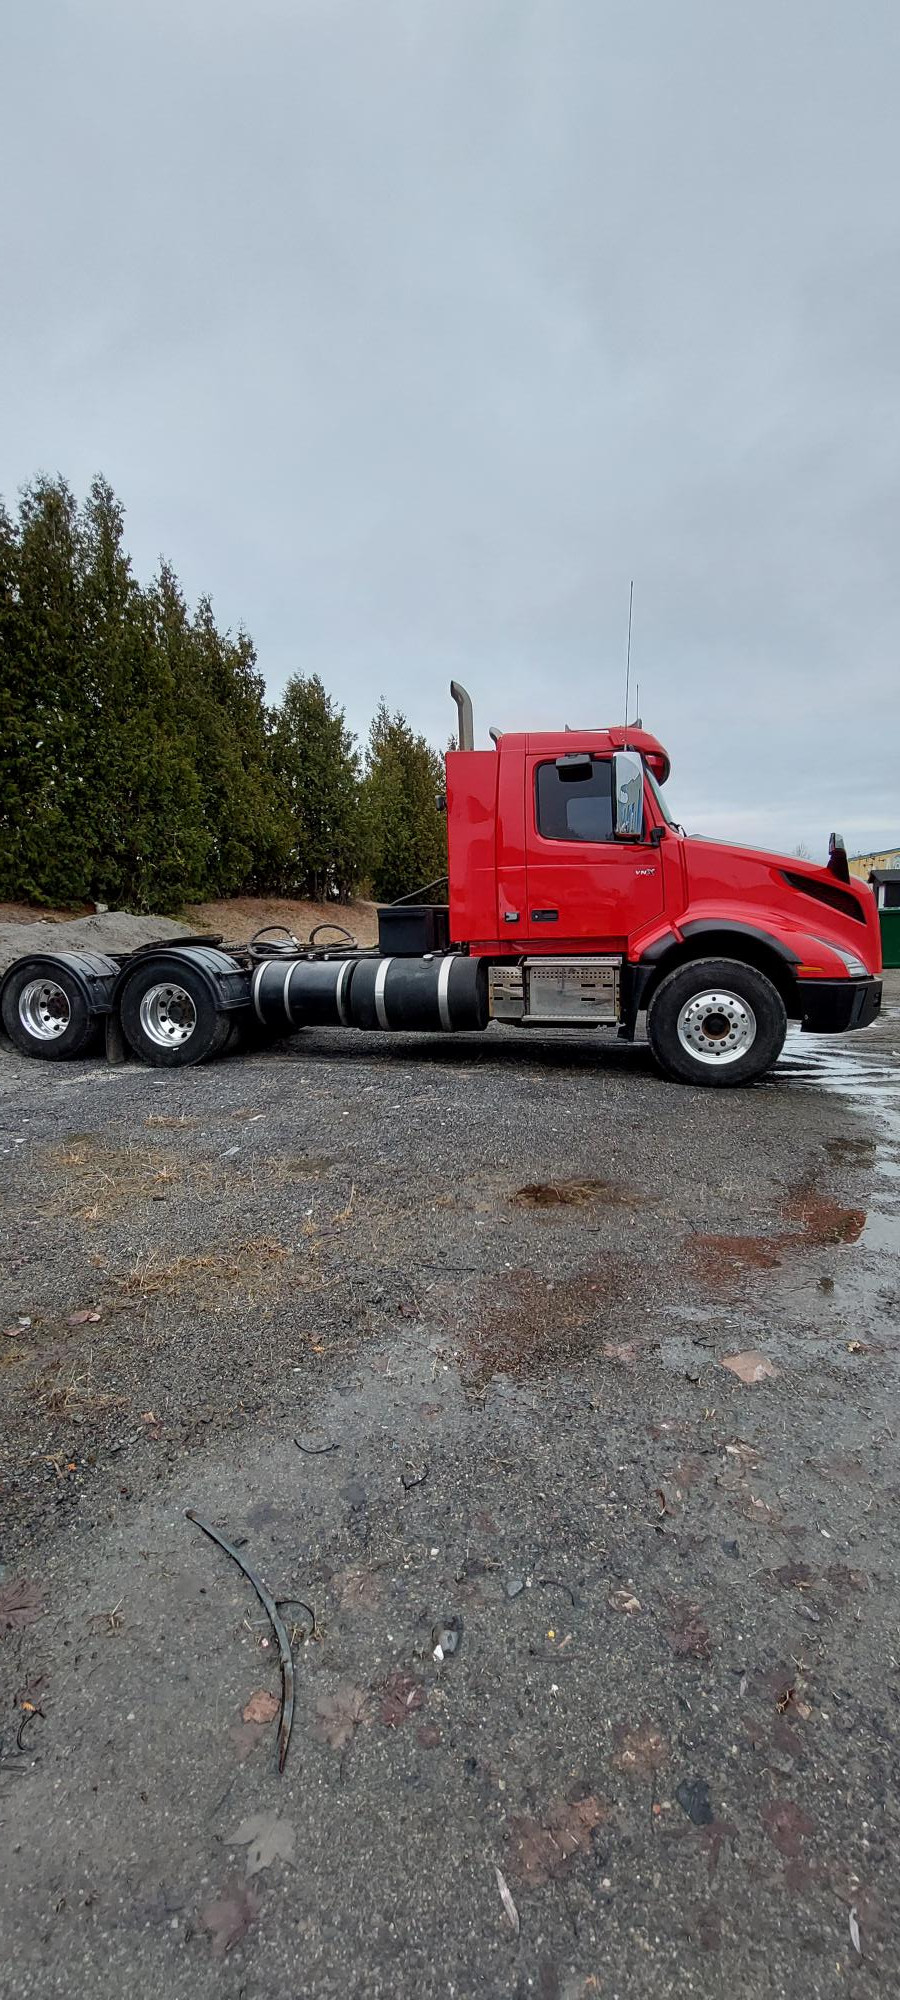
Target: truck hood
<point>780,894</point>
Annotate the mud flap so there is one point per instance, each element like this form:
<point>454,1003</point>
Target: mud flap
<point>117,1049</point>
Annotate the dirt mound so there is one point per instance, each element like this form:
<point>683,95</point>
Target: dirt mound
<point>114,930</point>
<point>235,918</point>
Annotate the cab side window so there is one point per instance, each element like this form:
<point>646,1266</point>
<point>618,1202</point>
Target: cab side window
<point>575,804</point>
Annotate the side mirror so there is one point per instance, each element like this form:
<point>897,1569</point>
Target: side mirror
<point>628,795</point>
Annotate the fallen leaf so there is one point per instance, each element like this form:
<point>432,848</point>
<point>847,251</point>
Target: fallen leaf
<point>228,1917</point>
<point>262,1707</point>
<point>339,1715</point>
<point>358,1589</point>
<point>429,1736</point>
<point>20,1605</point>
<point>754,1508</point>
<point>796,1576</point>
<point>245,1736</point>
<point>693,1797</point>
<point>786,1825</point>
<point>507,1901</point>
<point>32,1697</point>
<point>624,1351</point>
<point>749,1367</point>
<point>544,1848</point>
<point>747,1453</point>
<point>266,1838</point>
<point>841,1579</point>
<point>687,1633</point>
<point>623,1600</point>
<point>401,1695</point>
<point>83,1318</point>
<point>854,1931</point>
<point>639,1751</point>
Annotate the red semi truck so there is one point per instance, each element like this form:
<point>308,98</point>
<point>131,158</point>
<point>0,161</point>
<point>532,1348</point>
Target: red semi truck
<point>574,901</point>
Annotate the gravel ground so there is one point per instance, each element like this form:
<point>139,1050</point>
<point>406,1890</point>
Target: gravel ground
<point>489,1284</point>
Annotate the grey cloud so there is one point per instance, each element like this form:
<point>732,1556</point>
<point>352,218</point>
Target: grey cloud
<point>414,330</point>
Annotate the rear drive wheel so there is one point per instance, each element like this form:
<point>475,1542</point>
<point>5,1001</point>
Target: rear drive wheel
<point>717,1023</point>
<point>45,1013</point>
<point>170,1017</point>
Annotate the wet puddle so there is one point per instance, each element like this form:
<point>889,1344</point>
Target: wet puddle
<point>867,1071</point>
<point>864,1071</point>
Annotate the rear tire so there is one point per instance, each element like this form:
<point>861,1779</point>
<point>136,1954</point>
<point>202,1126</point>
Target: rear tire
<point>717,1023</point>
<point>170,1018</point>
<point>45,1014</point>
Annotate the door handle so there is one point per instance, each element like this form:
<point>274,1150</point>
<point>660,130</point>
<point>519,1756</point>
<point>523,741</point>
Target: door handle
<point>545,916</point>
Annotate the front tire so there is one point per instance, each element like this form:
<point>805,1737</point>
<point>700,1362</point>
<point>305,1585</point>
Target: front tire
<point>717,1023</point>
<point>170,1018</point>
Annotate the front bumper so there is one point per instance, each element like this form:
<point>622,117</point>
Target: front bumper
<point>832,1006</point>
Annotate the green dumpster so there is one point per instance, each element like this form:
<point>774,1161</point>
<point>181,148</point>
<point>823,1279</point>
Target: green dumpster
<point>890,936</point>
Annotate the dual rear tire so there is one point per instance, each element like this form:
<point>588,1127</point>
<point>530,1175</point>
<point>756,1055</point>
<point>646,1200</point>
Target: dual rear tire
<point>170,1018</point>
<point>46,1013</point>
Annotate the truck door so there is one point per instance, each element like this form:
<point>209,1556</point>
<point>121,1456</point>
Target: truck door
<point>583,886</point>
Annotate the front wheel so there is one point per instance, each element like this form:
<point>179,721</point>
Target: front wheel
<point>716,1022</point>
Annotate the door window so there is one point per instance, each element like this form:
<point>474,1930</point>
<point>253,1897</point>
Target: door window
<point>575,803</point>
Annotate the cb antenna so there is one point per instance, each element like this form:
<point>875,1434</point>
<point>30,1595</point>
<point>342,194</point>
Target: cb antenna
<point>628,652</point>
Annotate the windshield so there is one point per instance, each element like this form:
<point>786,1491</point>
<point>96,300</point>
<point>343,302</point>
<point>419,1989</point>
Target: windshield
<point>657,791</point>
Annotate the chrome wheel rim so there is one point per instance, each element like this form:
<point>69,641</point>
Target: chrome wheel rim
<point>44,1010</point>
<point>717,1027</point>
<point>168,1015</point>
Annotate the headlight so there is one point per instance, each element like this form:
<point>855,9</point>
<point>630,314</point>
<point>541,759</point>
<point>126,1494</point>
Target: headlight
<point>854,965</point>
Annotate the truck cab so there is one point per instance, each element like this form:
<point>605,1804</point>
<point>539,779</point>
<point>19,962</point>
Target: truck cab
<point>563,855</point>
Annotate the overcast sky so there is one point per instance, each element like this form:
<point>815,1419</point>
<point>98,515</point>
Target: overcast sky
<point>413,329</point>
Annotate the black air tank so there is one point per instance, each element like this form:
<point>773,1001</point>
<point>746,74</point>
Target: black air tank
<point>436,994</point>
<point>303,993</point>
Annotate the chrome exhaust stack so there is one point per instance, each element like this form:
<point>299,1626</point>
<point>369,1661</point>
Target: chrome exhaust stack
<point>466,719</point>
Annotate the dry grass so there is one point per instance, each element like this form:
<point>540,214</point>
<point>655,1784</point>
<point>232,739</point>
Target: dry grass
<point>254,1269</point>
<point>157,1121</point>
<point>90,1180</point>
<point>73,1395</point>
<point>576,1194</point>
<point>32,913</point>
